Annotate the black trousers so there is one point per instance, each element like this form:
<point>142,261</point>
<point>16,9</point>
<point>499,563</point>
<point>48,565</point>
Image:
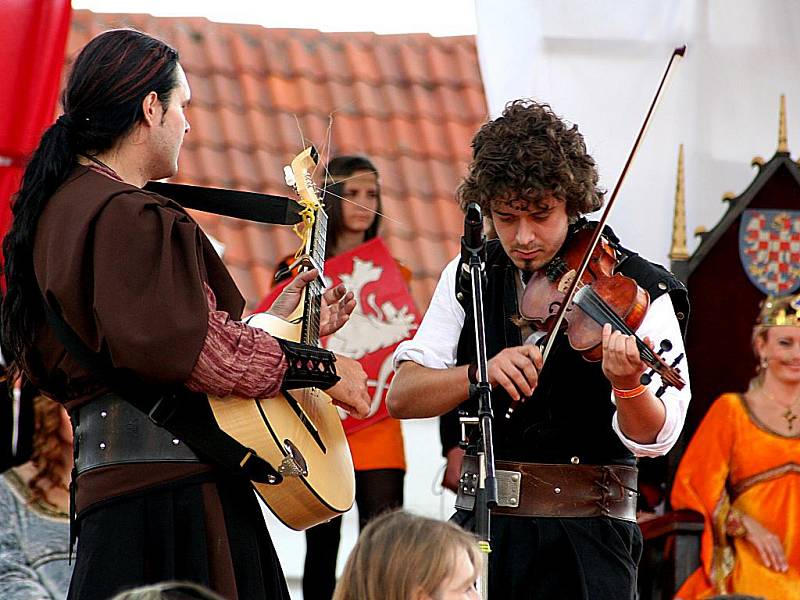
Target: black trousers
<point>561,558</point>
<point>377,491</point>
<point>173,533</point>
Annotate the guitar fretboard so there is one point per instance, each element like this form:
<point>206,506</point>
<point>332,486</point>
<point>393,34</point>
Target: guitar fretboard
<point>315,289</point>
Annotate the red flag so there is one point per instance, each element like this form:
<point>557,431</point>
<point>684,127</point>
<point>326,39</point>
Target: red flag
<point>385,315</point>
<point>34,34</point>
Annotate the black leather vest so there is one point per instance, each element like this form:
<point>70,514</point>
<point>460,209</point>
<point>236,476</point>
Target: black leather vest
<point>569,414</point>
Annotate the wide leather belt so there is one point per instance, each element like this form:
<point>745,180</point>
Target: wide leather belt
<point>110,431</point>
<point>545,490</point>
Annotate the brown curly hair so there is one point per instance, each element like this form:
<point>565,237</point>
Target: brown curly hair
<point>529,152</point>
<point>48,448</point>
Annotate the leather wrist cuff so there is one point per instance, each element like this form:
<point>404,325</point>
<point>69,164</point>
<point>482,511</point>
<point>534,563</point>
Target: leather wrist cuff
<point>309,366</point>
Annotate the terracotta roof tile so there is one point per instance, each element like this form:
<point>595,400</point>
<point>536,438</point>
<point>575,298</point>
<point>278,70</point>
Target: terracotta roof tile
<point>371,100</point>
<point>476,101</point>
<point>406,136</point>
<point>255,91</point>
<point>204,90</point>
<point>433,136</point>
<point>248,53</point>
<point>467,62</point>
<point>236,127</point>
<point>415,64</point>
<point>219,55</point>
<point>460,135</point>
<point>192,53</point>
<point>378,142</point>
<point>284,93</point>
<point>304,58</point>
<point>262,129</point>
<point>276,55</point>
<point>343,98</point>
<point>443,65</point>
<point>410,102</point>
<point>313,96</point>
<point>389,64</point>
<point>229,90</point>
<point>206,126</point>
<point>315,128</point>
<point>363,63</point>
<point>416,175</point>
<point>331,58</point>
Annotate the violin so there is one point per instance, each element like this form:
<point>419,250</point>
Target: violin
<point>595,296</point>
<point>602,296</point>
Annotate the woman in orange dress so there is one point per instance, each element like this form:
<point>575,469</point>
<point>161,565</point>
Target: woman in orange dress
<point>353,204</point>
<point>742,472</point>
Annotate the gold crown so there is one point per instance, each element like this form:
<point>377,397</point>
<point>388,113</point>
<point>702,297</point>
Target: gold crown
<point>778,311</point>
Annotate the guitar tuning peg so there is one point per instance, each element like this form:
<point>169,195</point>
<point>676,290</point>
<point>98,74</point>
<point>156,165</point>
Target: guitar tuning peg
<point>665,345</point>
<point>678,359</point>
<point>288,176</point>
<point>660,391</point>
<point>646,378</point>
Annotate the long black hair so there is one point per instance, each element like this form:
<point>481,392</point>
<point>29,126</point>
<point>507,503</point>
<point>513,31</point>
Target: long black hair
<point>102,103</point>
<point>339,169</point>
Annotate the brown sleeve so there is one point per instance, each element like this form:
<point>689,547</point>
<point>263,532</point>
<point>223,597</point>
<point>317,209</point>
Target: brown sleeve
<point>149,305</point>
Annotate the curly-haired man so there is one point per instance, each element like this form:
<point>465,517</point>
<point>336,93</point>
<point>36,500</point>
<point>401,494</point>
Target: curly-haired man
<point>569,531</point>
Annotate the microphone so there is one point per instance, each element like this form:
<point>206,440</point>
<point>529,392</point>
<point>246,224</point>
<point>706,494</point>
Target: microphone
<point>473,243</point>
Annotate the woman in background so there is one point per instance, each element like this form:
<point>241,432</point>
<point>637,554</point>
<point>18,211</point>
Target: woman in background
<point>742,472</point>
<point>34,512</point>
<point>352,201</point>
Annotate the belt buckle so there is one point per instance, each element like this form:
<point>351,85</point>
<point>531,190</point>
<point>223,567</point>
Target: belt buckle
<point>162,411</point>
<point>509,484</point>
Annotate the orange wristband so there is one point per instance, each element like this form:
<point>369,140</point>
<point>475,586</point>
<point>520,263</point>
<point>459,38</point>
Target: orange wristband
<point>625,394</point>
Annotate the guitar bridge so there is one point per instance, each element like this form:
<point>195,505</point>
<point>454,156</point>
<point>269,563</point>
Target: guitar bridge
<point>293,464</point>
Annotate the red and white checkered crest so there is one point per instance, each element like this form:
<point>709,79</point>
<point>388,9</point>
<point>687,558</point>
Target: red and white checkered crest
<point>769,246</point>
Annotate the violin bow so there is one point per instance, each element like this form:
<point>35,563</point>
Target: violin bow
<point>598,232</point>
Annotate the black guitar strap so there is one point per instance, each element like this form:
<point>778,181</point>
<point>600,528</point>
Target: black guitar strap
<point>175,409</point>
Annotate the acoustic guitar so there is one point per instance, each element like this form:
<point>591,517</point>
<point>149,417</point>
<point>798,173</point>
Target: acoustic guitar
<point>299,431</point>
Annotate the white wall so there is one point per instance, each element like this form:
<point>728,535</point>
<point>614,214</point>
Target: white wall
<point>598,62</point>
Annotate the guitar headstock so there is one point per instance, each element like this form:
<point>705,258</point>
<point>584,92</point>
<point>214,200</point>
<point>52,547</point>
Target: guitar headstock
<point>312,229</point>
<point>299,176</point>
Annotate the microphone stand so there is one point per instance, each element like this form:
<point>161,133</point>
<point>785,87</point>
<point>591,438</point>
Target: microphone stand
<point>486,492</point>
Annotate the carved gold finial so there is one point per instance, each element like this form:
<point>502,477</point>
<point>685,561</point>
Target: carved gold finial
<point>728,196</point>
<point>783,142</point>
<point>679,251</point>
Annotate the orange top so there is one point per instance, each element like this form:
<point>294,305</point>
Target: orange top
<point>379,446</point>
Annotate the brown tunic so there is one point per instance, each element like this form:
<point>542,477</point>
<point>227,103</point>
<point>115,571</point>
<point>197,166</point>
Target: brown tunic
<point>125,267</point>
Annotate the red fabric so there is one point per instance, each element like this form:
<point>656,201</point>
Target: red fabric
<point>34,34</point>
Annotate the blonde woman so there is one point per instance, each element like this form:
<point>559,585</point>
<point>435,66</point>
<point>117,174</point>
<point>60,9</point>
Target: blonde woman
<point>742,471</point>
<point>400,556</point>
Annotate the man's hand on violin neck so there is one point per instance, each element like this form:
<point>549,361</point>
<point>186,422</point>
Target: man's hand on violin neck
<point>516,370</point>
<point>622,364</point>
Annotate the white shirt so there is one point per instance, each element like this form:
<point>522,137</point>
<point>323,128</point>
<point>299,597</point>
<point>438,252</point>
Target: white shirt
<point>436,341</point>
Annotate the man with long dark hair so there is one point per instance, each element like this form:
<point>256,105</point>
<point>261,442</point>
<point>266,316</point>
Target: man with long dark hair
<point>144,295</point>
<point>569,530</point>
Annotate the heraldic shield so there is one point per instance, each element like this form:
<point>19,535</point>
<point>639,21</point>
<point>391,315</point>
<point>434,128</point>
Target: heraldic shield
<point>769,247</point>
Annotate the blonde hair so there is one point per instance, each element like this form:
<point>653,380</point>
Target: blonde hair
<point>399,554</point>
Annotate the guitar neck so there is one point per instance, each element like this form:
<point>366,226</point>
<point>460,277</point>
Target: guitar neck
<point>315,289</point>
